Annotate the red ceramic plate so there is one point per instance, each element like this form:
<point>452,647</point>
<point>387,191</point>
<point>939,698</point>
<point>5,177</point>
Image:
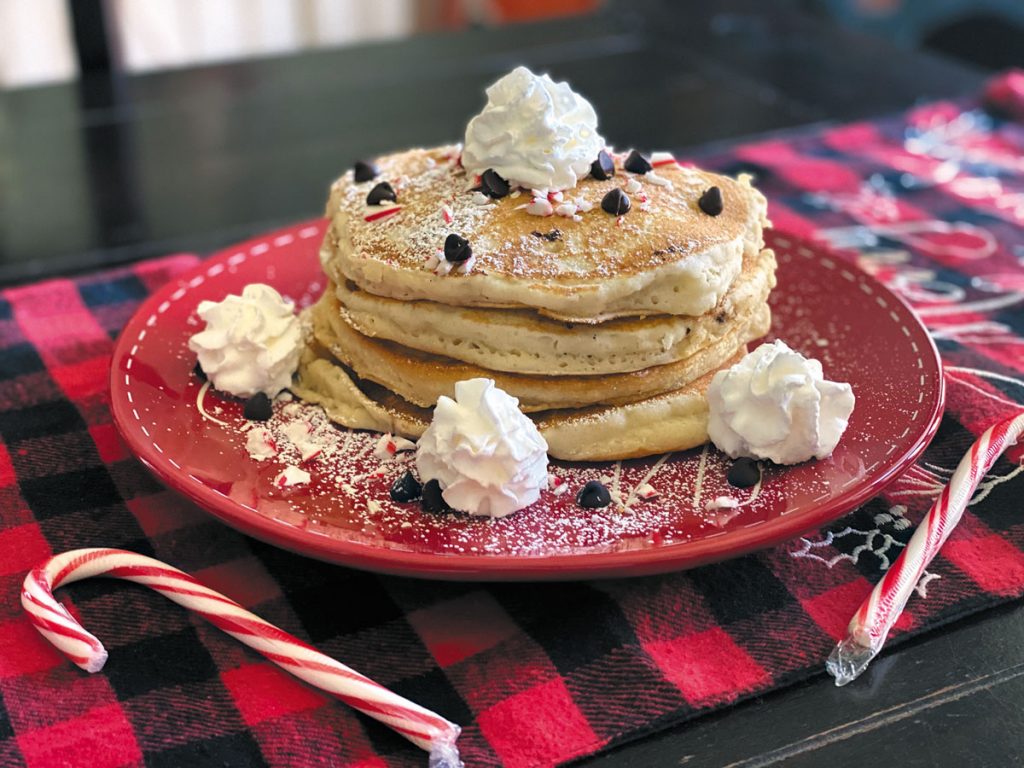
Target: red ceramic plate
<point>858,329</point>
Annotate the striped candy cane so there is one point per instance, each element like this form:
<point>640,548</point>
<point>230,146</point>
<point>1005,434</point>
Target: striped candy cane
<point>421,726</point>
<point>871,624</point>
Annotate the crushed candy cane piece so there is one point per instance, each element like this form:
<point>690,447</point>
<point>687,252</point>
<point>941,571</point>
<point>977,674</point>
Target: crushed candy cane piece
<point>402,445</point>
<point>633,185</point>
<point>260,444</point>
<point>721,510</point>
<point>658,181</point>
<point>540,207</point>
<point>721,502</point>
<point>566,209</point>
<point>447,214</point>
<point>479,198</point>
<point>584,205</point>
<point>662,158</point>
<point>297,431</point>
<point>373,506</point>
<point>309,451</point>
<point>290,476</point>
<point>388,445</point>
<point>647,492</point>
<point>377,215</point>
<point>385,447</point>
<point>721,517</point>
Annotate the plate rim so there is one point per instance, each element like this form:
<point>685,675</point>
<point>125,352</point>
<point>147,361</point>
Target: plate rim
<point>476,567</point>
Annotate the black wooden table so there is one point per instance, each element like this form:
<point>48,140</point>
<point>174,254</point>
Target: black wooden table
<point>114,169</point>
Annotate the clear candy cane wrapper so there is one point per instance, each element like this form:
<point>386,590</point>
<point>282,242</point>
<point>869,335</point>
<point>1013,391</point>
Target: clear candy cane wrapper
<point>422,727</point>
<point>870,626</point>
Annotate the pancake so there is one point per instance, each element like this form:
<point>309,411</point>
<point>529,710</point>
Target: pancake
<point>672,421</point>
<point>420,377</point>
<point>521,341</point>
<point>665,256</point>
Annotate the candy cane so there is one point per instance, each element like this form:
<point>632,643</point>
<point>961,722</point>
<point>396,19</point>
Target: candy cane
<point>870,626</point>
<point>421,726</point>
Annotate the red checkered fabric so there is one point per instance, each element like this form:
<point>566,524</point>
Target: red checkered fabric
<point>931,202</point>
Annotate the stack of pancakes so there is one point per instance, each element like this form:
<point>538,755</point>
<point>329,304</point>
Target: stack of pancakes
<point>607,328</point>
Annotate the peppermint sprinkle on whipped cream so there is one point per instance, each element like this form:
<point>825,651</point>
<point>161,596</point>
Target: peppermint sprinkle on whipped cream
<point>251,342</point>
<point>487,456</point>
<point>534,133</point>
<point>776,404</point>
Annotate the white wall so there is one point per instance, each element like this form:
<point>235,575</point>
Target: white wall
<point>158,34</point>
<point>36,45</point>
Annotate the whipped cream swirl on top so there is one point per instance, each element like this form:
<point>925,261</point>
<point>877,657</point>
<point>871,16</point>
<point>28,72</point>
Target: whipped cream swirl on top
<point>251,342</point>
<point>488,457</point>
<point>534,132</point>
<point>776,404</point>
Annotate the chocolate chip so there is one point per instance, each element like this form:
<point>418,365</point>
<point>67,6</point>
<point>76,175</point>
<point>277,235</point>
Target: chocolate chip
<point>380,193</point>
<point>711,201</point>
<point>456,248</point>
<point>554,234</point>
<point>492,185</point>
<point>258,408</point>
<point>197,369</point>
<point>615,202</point>
<point>432,500</point>
<point>637,163</point>
<point>405,489</point>
<point>743,473</point>
<point>603,168</point>
<point>365,171</point>
<point>593,495</point>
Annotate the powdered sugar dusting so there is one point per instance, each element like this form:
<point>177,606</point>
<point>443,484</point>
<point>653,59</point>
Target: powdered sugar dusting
<point>347,499</point>
<point>437,198</point>
<point>350,473</point>
<point>463,209</point>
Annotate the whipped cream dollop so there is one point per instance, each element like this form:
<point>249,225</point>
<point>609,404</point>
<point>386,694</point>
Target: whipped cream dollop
<point>251,342</point>
<point>534,133</point>
<point>487,456</point>
<point>776,404</point>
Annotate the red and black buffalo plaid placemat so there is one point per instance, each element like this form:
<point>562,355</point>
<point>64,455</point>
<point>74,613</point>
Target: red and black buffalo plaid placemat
<point>932,202</point>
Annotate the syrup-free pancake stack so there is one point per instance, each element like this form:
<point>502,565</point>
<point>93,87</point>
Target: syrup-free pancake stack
<point>606,326</point>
